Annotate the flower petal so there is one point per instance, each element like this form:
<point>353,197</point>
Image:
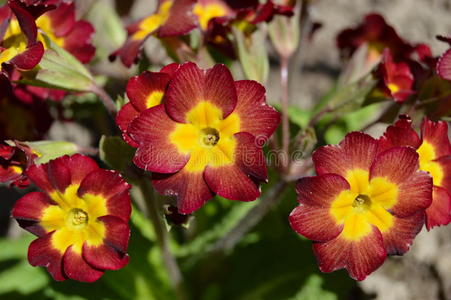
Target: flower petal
<point>231,183</point>
<point>112,187</point>
<point>190,188</point>
<point>75,267</point>
<point>414,194</point>
<point>41,253</point>
<point>444,65</point>
<point>181,19</point>
<point>399,237</point>
<point>256,117</point>
<point>28,211</point>
<point>399,134</point>
<point>156,153</point>
<point>78,41</point>
<point>123,119</point>
<point>436,134</point>
<point>396,164</point>
<point>360,257</point>
<point>249,156</point>
<point>28,59</point>
<point>141,87</point>
<point>111,255</point>
<point>356,151</point>
<point>192,85</point>
<point>439,213</point>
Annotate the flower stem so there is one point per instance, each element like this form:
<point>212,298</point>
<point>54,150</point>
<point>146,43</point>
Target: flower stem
<point>107,101</point>
<point>154,209</point>
<point>284,61</point>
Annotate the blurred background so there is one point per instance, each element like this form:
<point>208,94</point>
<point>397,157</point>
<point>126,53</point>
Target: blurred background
<point>271,262</point>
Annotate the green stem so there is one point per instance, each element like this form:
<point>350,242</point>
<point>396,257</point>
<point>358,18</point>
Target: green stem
<point>154,212</point>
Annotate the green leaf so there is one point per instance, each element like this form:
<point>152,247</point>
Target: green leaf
<point>252,53</point>
<point>48,150</point>
<point>299,116</point>
<point>22,278</point>
<point>61,70</point>
<point>116,153</point>
<point>312,290</point>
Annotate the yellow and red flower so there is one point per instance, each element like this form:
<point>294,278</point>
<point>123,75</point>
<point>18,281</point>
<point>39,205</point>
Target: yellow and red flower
<point>62,27</point>
<point>172,18</point>
<point>396,78</point>
<point>80,218</point>
<point>434,150</point>
<point>19,46</point>
<point>14,160</point>
<point>377,35</point>
<point>362,205</point>
<point>144,91</point>
<point>202,140</point>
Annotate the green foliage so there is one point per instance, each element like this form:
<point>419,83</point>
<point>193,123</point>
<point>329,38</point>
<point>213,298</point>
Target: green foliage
<point>48,150</point>
<point>60,69</point>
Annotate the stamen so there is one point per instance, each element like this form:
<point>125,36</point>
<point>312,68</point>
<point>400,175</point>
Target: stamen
<point>210,136</point>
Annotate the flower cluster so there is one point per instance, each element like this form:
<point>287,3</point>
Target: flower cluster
<point>214,17</point>
<point>80,217</point>
<point>201,140</point>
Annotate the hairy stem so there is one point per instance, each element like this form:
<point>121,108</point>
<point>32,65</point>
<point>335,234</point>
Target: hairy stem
<point>284,61</point>
<point>154,209</point>
<point>107,101</point>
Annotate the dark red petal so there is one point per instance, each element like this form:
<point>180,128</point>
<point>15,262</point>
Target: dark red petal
<point>128,53</point>
<point>415,194</point>
<point>78,41</point>
<point>123,119</point>
<point>315,223</point>
<point>111,255</point>
<point>190,189</point>
<point>156,153</point>
<point>38,174</point>
<point>249,156</point>
<point>59,173</point>
<point>320,190</point>
<point>399,237</point>
<point>75,267</point>
<point>231,183</point>
<point>111,186</point>
<point>360,257</point>
<point>191,85</point>
<point>399,134</point>
<point>28,211</point>
<point>139,88</point>
<point>256,117</point>
<point>170,69</point>
<point>444,65</point>
<point>41,253</point>
<point>436,133</point>
<point>396,164</point>
<point>357,150</point>
<point>28,59</point>
<point>80,166</point>
<point>62,18</point>
<point>26,21</point>
<point>181,19</point>
<point>439,213</point>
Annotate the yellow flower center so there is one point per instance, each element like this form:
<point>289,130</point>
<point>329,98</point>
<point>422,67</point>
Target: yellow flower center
<point>45,25</point>
<point>207,12</point>
<point>14,42</point>
<point>153,22</point>
<point>364,205</point>
<point>74,219</point>
<point>393,88</point>
<point>207,137</point>
<point>427,156</point>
